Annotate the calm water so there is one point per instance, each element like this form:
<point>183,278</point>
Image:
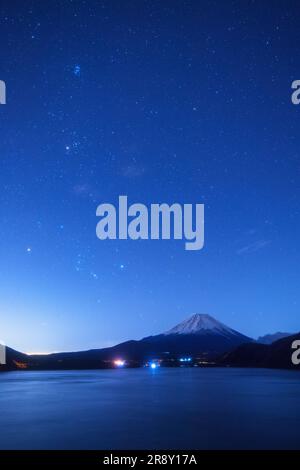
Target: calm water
<point>166,408</point>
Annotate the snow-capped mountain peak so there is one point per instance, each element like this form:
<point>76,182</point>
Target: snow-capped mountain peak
<point>200,323</point>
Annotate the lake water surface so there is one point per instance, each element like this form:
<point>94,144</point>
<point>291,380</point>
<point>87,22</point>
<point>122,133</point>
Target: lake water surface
<point>145,409</point>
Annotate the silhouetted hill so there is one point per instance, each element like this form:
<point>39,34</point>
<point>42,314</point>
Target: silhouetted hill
<point>14,359</point>
<point>269,339</point>
<point>276,355</point>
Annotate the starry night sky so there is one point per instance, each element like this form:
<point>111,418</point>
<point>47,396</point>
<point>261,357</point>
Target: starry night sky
<point>164,101</point>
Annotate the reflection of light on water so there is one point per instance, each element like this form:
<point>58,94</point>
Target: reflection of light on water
<point>119,363</point>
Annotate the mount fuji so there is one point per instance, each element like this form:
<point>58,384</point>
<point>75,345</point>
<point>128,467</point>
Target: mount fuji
<point>200,336</point>
<point>201,323</point>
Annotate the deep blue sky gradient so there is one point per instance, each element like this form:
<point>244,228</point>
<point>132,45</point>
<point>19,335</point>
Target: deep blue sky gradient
<point>164,101</point>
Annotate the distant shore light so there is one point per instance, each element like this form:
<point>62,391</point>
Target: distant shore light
<point>185,359</point>
<point>119,363</point>
<point>153,365</point>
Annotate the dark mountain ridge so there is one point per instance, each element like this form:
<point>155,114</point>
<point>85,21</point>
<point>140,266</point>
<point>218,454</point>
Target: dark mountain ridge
<point>199,336</point>
<point>270,338</point>
<point>277,355</point>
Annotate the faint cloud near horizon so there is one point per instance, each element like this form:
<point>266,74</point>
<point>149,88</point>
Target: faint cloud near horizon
<point>253,247</point>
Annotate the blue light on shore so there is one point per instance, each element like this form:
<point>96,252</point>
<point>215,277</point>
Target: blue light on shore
<point>153,364</point>
<point>185,359</point>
